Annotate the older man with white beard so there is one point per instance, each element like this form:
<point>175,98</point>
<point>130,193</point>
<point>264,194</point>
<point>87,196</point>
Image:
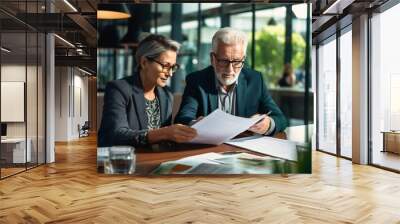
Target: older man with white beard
<point>230,86</point>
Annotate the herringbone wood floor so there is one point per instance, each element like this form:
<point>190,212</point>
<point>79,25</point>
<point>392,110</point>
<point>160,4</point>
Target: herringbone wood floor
<point>71,191</point>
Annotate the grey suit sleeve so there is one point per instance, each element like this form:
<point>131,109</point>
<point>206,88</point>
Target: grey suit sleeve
<point>115,122</point>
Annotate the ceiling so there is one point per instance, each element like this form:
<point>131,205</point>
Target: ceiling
<point>76,22</point>
<point>328,15</point>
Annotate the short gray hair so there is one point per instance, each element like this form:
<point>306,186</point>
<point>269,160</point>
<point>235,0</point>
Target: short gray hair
<point>153,45</point>
<point>228,35</point>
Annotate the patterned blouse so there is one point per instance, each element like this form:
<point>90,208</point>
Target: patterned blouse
<point>153,114</point>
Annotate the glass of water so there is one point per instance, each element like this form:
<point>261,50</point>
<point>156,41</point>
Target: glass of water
<point>121,160</point>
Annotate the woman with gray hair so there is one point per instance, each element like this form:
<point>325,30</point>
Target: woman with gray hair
<point>137,110</point>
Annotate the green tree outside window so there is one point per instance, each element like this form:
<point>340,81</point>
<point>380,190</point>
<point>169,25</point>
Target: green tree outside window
<point>270,48</point>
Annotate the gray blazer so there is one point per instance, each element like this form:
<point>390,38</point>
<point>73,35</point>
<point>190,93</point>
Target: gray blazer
<point>124,117</point>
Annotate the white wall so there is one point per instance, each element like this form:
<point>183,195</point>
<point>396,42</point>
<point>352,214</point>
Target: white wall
<point>327,97</point>
<point>80,100</point>
<point>346,94</point>
<point>12,73</point>
<point>61,103</point>
<point>71,94</point>
<point>33,126</point>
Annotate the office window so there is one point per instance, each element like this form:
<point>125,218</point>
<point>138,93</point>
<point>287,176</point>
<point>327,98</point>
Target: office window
<point>41,97</point>
<point>299,26</point>
<point>32,96</point>
<point>300,23</point>
<point>187,58</point>
<point>243,22</point>
<point>114,52</point>
<point>206,6</point>
<point>346,94</point>
<point>385,84</point>
<point>105,66</point>
<point>14,72</point>
<point>208,27</point>
<point>327,97</point>
<point>270,43</point>
<point>189,8</point>
<point>189,53</point>
<point>124,62</point>
<point>163,19</point>
<point>314,92</point>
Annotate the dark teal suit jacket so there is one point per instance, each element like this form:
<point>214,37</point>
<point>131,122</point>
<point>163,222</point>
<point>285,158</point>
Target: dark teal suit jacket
<point>200,97</point>
<point>124,116</point>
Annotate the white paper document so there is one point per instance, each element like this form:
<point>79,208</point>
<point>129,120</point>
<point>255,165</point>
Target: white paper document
<point>208,158</point>
<point>280,148</point>
<point>219,127</point>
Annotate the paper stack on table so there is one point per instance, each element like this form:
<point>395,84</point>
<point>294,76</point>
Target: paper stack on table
<point>280,148</point>
<point>219,127</point>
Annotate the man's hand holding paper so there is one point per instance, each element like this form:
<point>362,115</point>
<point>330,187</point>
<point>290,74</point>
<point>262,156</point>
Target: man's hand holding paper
<point>218,127</point>
<point>262,126</point>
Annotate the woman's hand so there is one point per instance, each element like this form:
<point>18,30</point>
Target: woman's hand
<point>176,132</point>
<point>180,133</point>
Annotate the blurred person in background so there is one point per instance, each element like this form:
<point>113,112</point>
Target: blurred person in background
<point>288,78</point>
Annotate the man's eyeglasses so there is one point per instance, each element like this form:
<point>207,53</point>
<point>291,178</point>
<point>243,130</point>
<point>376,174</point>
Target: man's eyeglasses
<point>225,62</point>
<point>166,67</point>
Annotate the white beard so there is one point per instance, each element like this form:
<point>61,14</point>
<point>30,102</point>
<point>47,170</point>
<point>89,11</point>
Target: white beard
<point>226,82</point>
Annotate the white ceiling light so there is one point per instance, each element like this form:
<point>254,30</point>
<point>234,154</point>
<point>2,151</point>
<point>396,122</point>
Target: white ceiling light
<point>65,41</point>
<point>79,51</point>
<point>104,14</point>
<point>70,5</point>
<point>5,50</point>
<point>337,7</point>
<point>113,11</point>
<point>84,71</point>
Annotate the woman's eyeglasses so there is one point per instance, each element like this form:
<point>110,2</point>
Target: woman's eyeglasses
<point>166,67</point>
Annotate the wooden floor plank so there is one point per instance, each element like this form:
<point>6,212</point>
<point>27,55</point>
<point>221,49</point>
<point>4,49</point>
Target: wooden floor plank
<point>71,191</point>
